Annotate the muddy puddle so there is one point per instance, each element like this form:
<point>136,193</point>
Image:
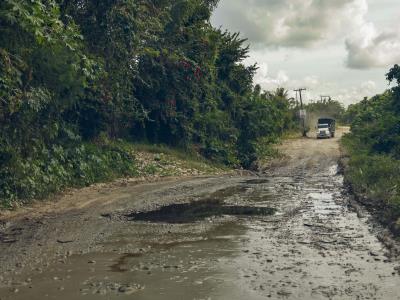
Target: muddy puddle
<point>198,210</point>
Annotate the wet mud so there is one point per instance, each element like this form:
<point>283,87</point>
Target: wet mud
<point>198,210</point>
<point>287,234</point>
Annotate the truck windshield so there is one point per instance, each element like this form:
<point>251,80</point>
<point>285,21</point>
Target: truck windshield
<point>323,126</point>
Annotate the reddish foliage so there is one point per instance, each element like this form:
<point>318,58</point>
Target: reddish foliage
<point>171,102</point>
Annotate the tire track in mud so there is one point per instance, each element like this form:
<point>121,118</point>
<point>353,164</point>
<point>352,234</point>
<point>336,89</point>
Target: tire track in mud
<point>318,248</point>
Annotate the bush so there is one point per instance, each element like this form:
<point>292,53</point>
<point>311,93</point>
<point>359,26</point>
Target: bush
<point>57,168</point>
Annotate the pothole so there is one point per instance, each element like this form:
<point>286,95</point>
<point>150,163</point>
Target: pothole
<point>257,181</point>
<point>196,211</point>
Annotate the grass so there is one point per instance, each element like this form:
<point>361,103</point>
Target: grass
<point>291,134</point>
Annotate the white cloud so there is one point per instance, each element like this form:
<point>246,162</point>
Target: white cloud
<point>367,46</point>
<point>270,82</point>
<point>308,23</point>
<point>288,23</point>
<point>357,93</point>
<point>369,86</point>
<point>378,50</point>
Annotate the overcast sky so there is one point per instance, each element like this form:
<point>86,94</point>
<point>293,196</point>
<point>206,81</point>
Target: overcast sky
<point>341,48</point>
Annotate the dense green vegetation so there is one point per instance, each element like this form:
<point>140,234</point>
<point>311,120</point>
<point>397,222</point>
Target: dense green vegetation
<point>374,148</point>
<point>76,73</point>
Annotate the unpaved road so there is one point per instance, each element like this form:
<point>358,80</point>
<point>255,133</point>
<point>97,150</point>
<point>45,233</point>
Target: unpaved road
<point>286,234</point>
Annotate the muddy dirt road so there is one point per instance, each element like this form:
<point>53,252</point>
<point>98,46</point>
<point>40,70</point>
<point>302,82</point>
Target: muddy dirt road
<point>285,234</point>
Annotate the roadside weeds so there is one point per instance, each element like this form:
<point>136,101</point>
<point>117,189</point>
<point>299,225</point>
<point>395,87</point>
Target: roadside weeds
<point>361,204</point>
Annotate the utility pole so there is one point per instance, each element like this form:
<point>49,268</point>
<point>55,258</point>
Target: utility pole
<point>302,111</point>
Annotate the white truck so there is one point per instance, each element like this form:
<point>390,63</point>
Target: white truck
<point>326,128</point>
